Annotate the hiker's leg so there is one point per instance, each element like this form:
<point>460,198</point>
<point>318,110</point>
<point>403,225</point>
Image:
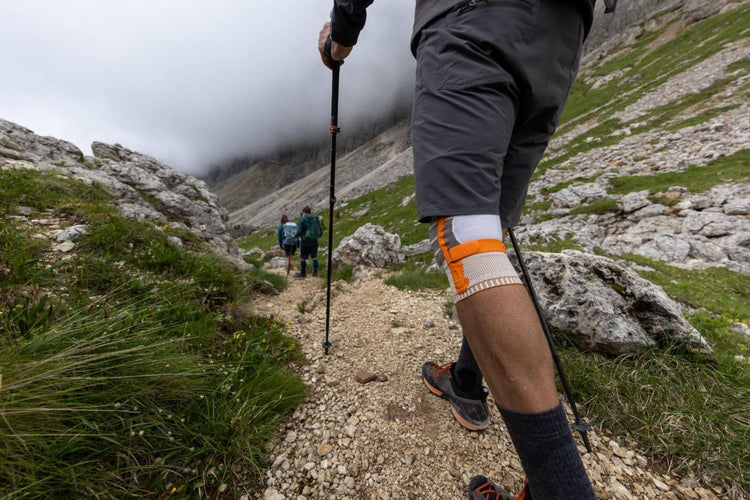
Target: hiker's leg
<point>466,107</point>
<point>314,254</point>
<point>466,376</point>
<point>504,332</point>
<point>515,359</point>
<point>510,347</point>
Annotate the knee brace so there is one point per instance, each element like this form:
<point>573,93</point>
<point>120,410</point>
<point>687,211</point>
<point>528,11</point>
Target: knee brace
<point>470,251</point>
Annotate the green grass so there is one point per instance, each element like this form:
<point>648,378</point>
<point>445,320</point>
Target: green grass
<point>555,245</point>
<point>691,413</point>
<point>598,207</point>
<point>345,273</point>
<point>701,117</point>
<point>664,200</point>
<point>725,169</point>
<point>717,289</point>
<point>46,190</point>
<point>539,206</point>
<point>133,364</point>
<point>742,64</point>
<point>413,276</point>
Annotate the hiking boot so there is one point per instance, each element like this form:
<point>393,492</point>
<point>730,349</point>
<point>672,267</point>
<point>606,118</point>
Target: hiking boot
<point>470,413</point>
<point>315,273</point>
<point>481,488</point>
<point>299,275</point>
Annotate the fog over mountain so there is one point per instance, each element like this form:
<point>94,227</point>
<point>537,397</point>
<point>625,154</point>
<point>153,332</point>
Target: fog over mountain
<point>190,82</point>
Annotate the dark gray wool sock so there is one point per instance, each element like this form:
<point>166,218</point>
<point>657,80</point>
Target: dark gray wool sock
<point>548,453</point>
<point>466,375</point>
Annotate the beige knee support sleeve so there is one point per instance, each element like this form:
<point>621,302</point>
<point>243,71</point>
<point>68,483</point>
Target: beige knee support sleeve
<point>470,251</point>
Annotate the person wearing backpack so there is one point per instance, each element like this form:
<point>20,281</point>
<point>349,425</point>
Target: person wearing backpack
<point>309,231</point>
<point>288,241</point>
<point>492,77</point>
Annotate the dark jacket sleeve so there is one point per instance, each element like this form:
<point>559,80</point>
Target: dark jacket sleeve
<point>280,235</point>
<point>347,20</point>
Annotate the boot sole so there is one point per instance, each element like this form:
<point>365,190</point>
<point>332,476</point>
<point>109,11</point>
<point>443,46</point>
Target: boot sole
<point>462,421</point>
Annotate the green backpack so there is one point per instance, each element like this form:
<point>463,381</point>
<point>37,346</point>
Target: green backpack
<point>313,230</point>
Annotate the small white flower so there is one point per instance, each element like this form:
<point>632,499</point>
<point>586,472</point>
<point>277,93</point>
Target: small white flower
<point>140,433</point>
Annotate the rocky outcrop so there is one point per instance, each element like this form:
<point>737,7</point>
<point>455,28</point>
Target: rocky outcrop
<point>142,187</point>
<point>369,246</point>
<point>606,306</point>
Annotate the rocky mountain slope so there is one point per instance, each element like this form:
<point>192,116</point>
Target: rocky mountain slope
<point>143,188</point>
<point>245,179</point>
<point>380,161</point>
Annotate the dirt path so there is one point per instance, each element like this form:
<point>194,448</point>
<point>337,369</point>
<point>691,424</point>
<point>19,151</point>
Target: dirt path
<point>393,439</point>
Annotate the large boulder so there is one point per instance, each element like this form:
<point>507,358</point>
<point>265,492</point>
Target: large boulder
<point>369,246</point>
<point>606,306</point>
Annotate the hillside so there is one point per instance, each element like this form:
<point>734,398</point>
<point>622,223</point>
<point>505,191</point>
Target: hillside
<point>130,365</point>
<point>650,167</point>
<point>244,179</point>
<point>380,161</point>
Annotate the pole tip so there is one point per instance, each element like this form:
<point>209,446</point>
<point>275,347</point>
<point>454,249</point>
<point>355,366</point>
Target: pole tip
<point>326,345</point>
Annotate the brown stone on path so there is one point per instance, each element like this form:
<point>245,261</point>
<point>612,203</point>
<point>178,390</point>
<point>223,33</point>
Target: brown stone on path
<point>363,376</point>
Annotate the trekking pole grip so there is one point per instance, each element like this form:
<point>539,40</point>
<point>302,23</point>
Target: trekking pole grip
<point>327,51</point>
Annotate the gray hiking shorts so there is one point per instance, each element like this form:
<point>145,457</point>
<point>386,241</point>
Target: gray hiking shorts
<point>492,78</point>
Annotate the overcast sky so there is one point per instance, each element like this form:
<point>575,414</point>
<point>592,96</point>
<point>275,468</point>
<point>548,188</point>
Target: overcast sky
<point>192,82</point>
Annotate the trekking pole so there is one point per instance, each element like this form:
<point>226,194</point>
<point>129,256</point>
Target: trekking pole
<point>579,425</point>
<point>332,197</point>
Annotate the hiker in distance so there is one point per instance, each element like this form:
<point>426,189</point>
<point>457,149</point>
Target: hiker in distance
<point>309,230</point>
<point>492,78</point>
<point>288,241</point>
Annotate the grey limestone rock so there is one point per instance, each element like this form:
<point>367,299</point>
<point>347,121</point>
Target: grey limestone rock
<point>634,201</point>
<point>696,10</point>
<point>578,194</point>
<point>737,206</point>
<point>606,306</point>
<point>174,240</point>
<point>276,263</point>
<point>710,224</point>
<point>71,233</point>
<point>666,248</point>
<point>417,248</point>
<point>370,245</point>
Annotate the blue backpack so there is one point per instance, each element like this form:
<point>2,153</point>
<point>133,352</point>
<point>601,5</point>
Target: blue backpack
<point>290,233</point>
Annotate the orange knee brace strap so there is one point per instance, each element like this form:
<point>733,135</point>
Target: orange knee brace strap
<point>453,256</point>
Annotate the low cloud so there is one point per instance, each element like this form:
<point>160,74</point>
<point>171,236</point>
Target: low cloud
<point>193,82</point>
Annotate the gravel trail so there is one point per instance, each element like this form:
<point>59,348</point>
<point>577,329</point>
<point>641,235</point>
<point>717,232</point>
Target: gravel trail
<point>391,438</point>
